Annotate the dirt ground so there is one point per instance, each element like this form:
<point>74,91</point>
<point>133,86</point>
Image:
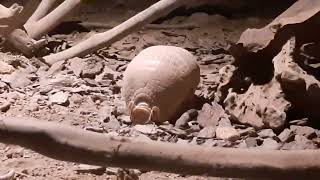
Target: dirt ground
<point>93,100</point>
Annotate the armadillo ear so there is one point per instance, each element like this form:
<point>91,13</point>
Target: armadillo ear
<point>130,107</point>
<point>155,114</point>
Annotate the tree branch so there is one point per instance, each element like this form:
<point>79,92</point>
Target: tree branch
<point>76,145</point>
<point>107,38</point>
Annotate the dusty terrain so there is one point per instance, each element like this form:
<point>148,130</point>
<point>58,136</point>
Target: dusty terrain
<point>86,93</point>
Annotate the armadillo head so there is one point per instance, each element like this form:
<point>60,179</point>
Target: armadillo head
<point>143,113</point>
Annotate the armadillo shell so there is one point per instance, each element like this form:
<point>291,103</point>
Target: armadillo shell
<point>159,76</point>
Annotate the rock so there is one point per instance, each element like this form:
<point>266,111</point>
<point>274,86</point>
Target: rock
<point>6,68</point>
<point>4,105</point>
<point>193,127</point>
<point>94,129</point>
<point>174,131</point>
<point>207,132</point>
<point>112,124</point>
<point>15,153</point>
<point>227,133</point>
<point>125,119</point>
<point>76,65</point>
<point>189,115</point>
<point>300,143</point>
<point>86,68</point>
<point>107,76</point>
<point>210,115</point>
<point>299,122</point>
<point>260,106</point>
<point>316,141</point>
<point>266,133</point>
<point>224,123</point>
<point>286,135</point>
<point>270,144</point>
<point>17,79</point>
<point>306,131</point>
<point>182,141</point>
<point>251,142</point>
<point>84,168</point>
<point>250,131</point>
<point>3,87</point>
<point>148,129</point>
<point>60,98</point>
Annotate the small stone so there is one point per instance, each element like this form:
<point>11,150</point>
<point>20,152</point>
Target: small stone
<point>299,122</point>
<point>251,142</point>
<point>3,87</point>
<point>224,122</point>
<point>316,141</point>
<point>207,132</point>
<point>210,115</point>
<point>250,131</point>
<point>270,144</point>
<point>189,115</point>
<point>18,79</point>
<point>94,129</point>
<point>112,124</point>
<point>148,129</point>
<point>174,131</point>
<point>15,153</point>
<point>304,131</point>
<point>266,133</point>
<point>300,143</point>
<point>227,133</point>
<point>125,119</point>
<point>6,68</point>
<point>182,141</point>
<point>84,168</point>
<point>194,127</point>
<point>60,98</point>
<point>286,135</point>
<point>86,68</point>
<point>4,105</point>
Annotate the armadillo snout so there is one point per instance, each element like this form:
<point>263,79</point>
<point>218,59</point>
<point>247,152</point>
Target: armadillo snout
<point>140,114</point>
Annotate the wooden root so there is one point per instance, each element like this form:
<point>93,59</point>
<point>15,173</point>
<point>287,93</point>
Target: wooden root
<point>72,144</point>
<point>107,38</point>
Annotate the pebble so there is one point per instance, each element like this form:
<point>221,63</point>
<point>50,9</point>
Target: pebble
<point>270,144</point>
<point>207,132</point>
<point>208,116</point>
<point>4,105</point>
<point>304,131</point>
<point>300,143</point>
<point>112,124</point>
<point>227,133</point>
<point>148,129</point>
<point>189,115</point>
<point>266,133</point>
<point>60,98</point>
<point>84,168</point>
<point>286,135</point>
<point>251,142</point>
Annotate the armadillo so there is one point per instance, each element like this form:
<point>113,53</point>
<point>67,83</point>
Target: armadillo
<point>158,81</point>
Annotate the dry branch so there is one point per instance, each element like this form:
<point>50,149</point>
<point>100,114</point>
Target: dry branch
<point>76,145</point>
<point>40,23</point>
<point>107,38</point>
